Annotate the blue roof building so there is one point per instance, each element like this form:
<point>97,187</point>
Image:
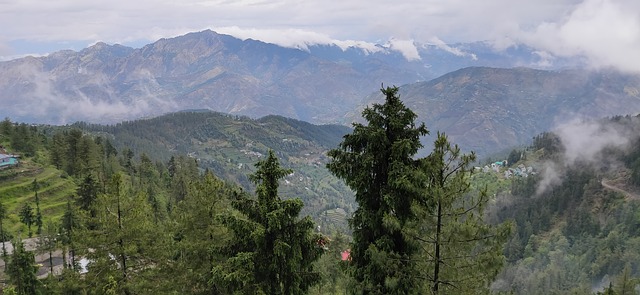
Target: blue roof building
<point>7,161</point>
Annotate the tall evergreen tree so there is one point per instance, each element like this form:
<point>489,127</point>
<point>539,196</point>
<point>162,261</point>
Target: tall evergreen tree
<point>27,217</point>
<point>58,149</point>
<point>48,242</point>
<point>126,245</point>
<point>272,251</point>
<point>376,161</point>
<point>200,236</point>
<point>461,254</point>
<point>3,215</point>
<point>70,224</point>
<point>22,270</point>
<point>38,217</point>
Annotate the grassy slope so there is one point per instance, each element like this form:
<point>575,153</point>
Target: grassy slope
<point>16,190</point>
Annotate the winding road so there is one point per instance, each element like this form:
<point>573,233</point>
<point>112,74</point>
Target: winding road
<point>626,193</point>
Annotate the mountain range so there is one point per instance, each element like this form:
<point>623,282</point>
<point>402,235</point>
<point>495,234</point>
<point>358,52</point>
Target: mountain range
<point>449,86</point>
<point>207,70</point>
<point>490,109</point>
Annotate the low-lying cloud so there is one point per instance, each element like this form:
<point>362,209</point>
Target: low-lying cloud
<point>43,102</point>
<point>586,142</point>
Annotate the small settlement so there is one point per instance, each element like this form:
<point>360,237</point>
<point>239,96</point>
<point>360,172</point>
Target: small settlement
<point>501,167</point>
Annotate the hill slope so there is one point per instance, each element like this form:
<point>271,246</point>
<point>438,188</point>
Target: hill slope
<point>489,109</point>
<point>230,146</point>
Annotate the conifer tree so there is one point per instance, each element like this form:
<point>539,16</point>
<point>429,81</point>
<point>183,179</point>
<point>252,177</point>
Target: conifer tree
<point>199,236</point>
<point>38,217</point>
<point>376,161</point>
<point>70,224</point>
<point>27,217</point>
<point>460,253</point>
<point>48,242</point>
<point>3,215</point>
<point>87,194</point>
<point>125,242</point>
<point>22,270</point>
<point>272,251</point>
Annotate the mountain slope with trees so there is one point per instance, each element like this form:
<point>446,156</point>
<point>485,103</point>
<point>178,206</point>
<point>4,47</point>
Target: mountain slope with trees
<point>488,110</point>
<point>574,234</point>
<point>229,145</point>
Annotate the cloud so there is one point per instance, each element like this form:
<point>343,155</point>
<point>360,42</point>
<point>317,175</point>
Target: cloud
<point>453,50</point>
<point>43,101</point>
<point>294,38</point>
<point>606,32</point>
<point>406,47</point>
<point>585,142</point>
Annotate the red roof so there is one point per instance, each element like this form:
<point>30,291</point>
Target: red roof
<point>346,255</point>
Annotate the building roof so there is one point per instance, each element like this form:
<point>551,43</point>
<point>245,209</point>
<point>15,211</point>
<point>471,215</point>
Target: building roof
<point>12,161</point>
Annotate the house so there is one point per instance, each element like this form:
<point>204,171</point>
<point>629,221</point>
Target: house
<point>7,161</point>
<point>345,255</point>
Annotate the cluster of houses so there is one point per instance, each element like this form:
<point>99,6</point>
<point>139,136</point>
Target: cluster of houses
<point>498,167</point>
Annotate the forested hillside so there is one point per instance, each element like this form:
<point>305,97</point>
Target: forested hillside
<point>230,145</point>
<point>578,219</point>
<point>145,225</point>
<point>144,201</point>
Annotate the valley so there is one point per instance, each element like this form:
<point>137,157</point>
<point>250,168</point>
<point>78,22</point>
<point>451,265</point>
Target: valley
<point>154,158</point>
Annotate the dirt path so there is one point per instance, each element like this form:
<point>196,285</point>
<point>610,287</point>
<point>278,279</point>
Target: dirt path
<point>626,193</point>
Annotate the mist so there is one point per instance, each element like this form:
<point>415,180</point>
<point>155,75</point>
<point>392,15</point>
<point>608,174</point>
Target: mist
<point>586,142</point>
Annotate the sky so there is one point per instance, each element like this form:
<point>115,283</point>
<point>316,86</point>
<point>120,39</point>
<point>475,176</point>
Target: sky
<point>606,33</point>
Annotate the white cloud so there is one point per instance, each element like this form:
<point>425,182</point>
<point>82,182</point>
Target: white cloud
<point>406,47</point>
<point>606,32</point>
<point>453,50</point>
<point>294,38</point>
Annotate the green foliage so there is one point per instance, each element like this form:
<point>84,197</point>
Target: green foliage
<point>460,253</point>
<point>334,279</point>
<point>22,270</point>
<point>228,146</point>
<point>514,157</point>
<point>272,251</point>
<point>199,236</point>
<point>27,216</point>
<point>126,243</point>
<point>376,162</point>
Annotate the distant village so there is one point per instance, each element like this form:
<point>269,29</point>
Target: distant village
<point>501,167</point>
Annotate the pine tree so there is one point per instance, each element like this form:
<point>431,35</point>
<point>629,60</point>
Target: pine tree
<point>626,285</point>
<point>200,236</point>
<point>27,217</point>
<point>38,217</point>
<point>272,251</point>
<point>376,161</point>
<point>22,270</point>
<point>87,193</point>
<point>3,215</point>
<point>461,254</point>
<point>70,224</point>
<point>48,242</point>
<point>125,242</point>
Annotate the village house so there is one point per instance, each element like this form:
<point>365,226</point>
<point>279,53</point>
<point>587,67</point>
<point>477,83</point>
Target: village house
<point>7,161</point>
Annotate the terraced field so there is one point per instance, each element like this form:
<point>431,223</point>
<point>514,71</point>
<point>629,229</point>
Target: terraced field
<point>16,189</point>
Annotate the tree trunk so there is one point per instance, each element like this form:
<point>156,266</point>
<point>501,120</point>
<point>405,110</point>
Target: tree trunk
<point>436,269</point>
<point>51,260</point>
<point>123,258</point>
